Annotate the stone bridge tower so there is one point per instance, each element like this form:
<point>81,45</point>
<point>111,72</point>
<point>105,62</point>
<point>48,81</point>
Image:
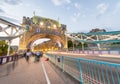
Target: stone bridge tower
<point>38,27</point>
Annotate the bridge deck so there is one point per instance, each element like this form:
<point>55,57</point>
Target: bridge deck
<point>21,72</point>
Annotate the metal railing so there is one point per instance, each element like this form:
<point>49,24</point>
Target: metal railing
<point>6,59</point>
<point>88,71</point>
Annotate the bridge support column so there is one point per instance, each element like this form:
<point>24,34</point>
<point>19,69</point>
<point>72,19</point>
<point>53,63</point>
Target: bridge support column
<point>82,46</point>
<point>99,46</point>
<point>9,44</point>
<point>98,43</point>
<point>66,44</point>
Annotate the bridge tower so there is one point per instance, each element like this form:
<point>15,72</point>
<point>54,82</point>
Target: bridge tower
<point>38,27</point>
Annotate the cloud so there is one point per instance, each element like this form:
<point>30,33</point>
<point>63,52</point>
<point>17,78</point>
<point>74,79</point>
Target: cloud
<point>102,8</point>
<point>117,8</point>
<point>77,16</point>
<point>77,5</point>
<point>2,11</point>
<point>13,2</point>
<point>60,2</point>
<point>10,19</point>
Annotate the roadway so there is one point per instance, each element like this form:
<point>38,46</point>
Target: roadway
<point>112,59</point>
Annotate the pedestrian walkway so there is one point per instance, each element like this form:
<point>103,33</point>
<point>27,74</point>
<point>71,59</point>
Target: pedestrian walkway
<point>43,72</point>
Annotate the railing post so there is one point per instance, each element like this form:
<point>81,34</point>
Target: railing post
<point>117,73</point>
<point>7,59</point>
<point>1,59</point>
<point>80,69</point>
<point>62,63</point>
<point>12,58</point>
<point>55,60</point>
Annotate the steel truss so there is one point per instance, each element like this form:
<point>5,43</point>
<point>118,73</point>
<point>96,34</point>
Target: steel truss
<point>10,31</point>
<point>96,37</point>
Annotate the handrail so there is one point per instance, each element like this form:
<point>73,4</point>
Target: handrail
<point>88,71</point>
<point>6,59</point>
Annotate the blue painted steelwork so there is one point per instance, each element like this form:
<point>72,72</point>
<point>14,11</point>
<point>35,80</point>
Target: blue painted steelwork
<point>113,81</point>
<point>90,71</point>
<point>99,75</point>
<point>103,41</point>
<point>102,33</point>
<point>103,76</point>
<point>118,77</point>
<point>88,37</point>
<point>80,69</point>
<point>107,76</point>
<point>63,63</point>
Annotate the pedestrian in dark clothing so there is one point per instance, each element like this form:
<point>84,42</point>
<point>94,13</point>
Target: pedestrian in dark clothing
<point>28,54</point>
<point>37,56</point>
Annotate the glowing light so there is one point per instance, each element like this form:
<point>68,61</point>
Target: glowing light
<point>41,23</point>
<point>48,27</point>
<point>54,26</point>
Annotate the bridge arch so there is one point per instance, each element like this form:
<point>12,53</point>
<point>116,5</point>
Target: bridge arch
<point>54,38</point>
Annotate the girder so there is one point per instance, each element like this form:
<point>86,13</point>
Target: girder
<point>96,37</point>
<point>9,30</point>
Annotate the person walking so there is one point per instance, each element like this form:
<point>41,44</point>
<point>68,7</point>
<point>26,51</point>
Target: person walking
<point>28,54</point>
<point>37,56</point>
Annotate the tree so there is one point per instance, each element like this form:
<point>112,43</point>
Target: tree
<point>76,46</point>
<point>4,47</point>
<point>70,44</point>
<point>97,30</point>
<point>79,46</point>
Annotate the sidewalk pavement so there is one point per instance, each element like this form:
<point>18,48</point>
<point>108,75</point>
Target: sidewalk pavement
<point>22,72</point>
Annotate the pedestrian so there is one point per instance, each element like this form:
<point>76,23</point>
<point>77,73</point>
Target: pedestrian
<point>28,54</point>
<point>37,56</point>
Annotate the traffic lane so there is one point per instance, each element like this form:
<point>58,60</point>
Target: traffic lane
<point>106,59</point>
